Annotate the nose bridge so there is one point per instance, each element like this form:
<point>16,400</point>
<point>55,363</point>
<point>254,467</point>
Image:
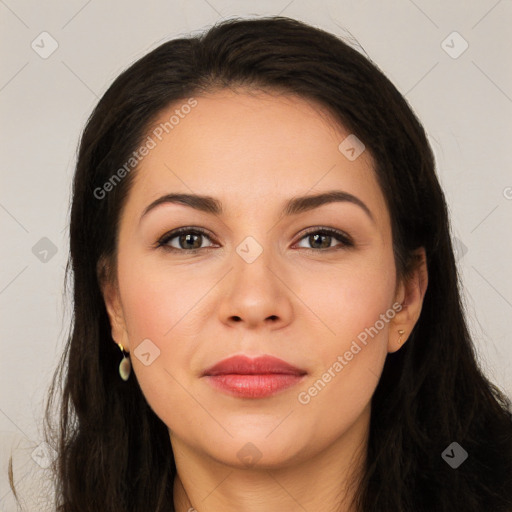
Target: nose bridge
<point>254,236</point>
<point>253,261</point>
<point>255,293</point>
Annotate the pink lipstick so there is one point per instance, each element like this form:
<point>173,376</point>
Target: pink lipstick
<point>261,377</point>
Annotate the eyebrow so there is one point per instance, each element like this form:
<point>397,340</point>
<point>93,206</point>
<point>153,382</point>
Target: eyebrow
<point>293,206</point>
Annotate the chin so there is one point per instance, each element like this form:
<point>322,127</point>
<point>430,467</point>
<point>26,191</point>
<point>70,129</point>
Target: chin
<point>257,451</point>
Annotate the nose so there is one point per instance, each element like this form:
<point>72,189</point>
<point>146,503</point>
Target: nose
<point>255,293</point>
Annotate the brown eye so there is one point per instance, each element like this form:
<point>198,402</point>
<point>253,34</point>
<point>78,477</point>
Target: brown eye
<point>321,239</point>
<point>186,240</point>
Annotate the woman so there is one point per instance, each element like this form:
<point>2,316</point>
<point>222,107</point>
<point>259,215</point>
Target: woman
<point>266,308</point>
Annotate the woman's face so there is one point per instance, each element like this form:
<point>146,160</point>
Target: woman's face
<point>265,279</point>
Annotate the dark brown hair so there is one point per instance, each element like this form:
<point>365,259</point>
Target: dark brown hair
<point>114,453</point>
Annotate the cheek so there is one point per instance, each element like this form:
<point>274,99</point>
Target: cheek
<point>159,301</point>
<point>350,297</point>
<point>155,307</point>
<point>355,308</point>
<point>158,309</point>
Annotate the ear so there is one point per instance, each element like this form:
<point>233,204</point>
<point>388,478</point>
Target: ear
<point>410,293</point>
<point>110,291</point>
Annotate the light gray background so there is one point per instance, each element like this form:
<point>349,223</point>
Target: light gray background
<point>465,104</point>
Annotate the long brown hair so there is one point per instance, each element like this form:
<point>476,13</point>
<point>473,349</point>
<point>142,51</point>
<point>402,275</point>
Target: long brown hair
<point>114,453</point>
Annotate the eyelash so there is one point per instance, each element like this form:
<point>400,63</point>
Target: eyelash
<point>345,240</point>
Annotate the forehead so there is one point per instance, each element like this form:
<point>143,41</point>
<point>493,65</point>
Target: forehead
<point>245,146</point>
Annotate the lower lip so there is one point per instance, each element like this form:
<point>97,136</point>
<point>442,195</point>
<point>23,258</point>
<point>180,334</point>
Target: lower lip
<point>253,386</point>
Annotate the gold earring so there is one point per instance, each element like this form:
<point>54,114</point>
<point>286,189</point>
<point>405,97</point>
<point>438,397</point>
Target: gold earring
<point>125,366</point>
<point>400,334</point>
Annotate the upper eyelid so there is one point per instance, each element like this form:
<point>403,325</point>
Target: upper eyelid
<point>188,229</point>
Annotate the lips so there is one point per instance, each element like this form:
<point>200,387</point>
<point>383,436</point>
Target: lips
<point>243,377</point>
<point>243,365</point>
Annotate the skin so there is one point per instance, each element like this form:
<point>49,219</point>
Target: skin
<point>297,301</point>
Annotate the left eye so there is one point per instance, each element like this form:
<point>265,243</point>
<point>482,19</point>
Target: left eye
<point>190,240</point>
<point>316,237</point>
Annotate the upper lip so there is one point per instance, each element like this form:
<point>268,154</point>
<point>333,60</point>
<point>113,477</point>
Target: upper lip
<point>244,365</point>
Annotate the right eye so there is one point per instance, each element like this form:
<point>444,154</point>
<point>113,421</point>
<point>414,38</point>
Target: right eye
<point>188,240</point>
